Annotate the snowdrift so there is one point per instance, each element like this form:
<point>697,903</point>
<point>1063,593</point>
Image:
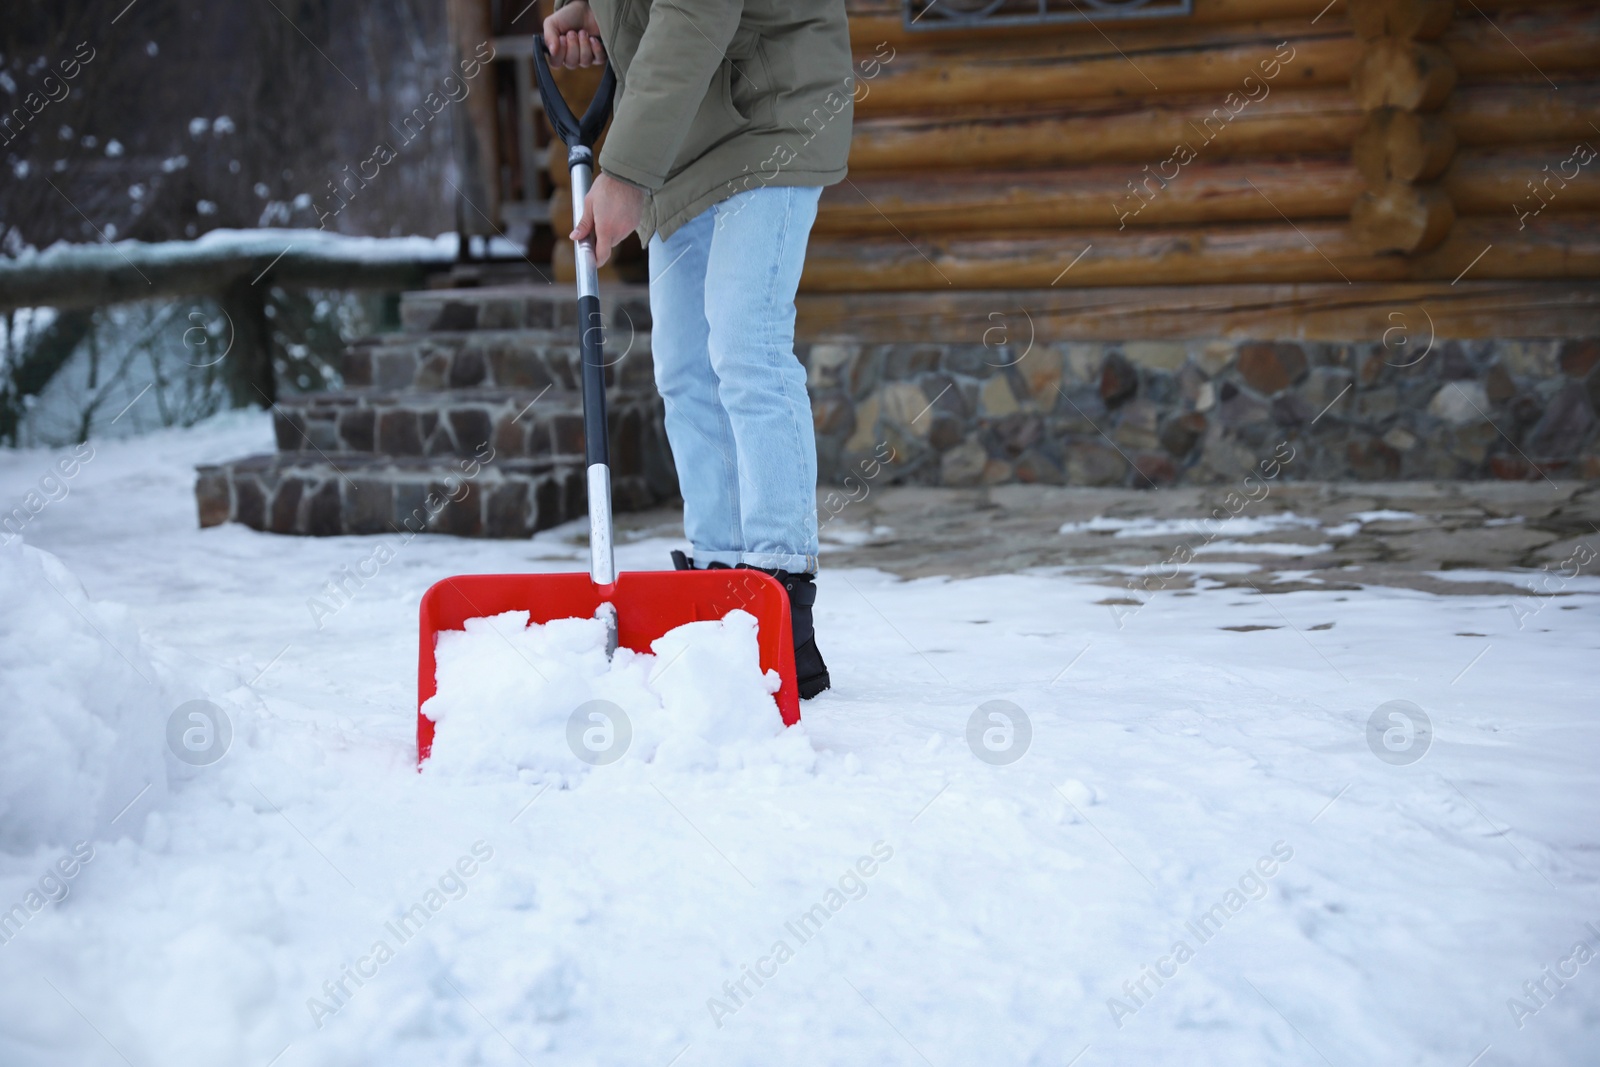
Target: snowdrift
<point>83,712</point>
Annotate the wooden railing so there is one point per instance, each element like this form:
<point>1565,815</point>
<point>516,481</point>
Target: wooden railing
<point>237,271</point>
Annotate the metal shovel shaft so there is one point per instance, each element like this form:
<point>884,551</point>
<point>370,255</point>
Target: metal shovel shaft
<point>579,135</point>
<point>591,328</point>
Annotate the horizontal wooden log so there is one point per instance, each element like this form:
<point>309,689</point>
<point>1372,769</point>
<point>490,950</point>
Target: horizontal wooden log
<point>95,275</point>
<point>1522,114</point>
<point>1309,122</point>
<point>1405,146</point>
<point>1495,7</point>
<point>1545,181</point>
<point>1309,252</point>
<point>1155,59</point>
<point>1542,42</point>
<point>1313,312</point>
<point>1416,20</point>
<point>1408,75</point>
<point>1088,197</point>
<point>1556,36</point>
<point>1401,217</point>
<point>1479,182</point>
<point>1062,42</point>
<point>870,25</point>
<point>1061,69</point>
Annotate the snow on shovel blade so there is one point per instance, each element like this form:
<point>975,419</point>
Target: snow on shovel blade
<point>648,603</point>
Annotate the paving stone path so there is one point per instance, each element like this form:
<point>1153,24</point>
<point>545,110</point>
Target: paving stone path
<point>1428,536</point>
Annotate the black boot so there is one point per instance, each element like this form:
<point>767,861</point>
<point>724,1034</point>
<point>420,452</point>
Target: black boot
<point>810,672</point>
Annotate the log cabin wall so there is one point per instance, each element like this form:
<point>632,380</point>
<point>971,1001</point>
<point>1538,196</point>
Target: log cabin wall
<point>1149,252</point>
<point>1146,252</point>
<point>1216,147</point>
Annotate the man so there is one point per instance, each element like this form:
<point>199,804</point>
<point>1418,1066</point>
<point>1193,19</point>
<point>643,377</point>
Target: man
<point>730,118</point>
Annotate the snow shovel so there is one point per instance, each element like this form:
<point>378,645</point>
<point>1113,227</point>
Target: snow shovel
<point>639,606</point>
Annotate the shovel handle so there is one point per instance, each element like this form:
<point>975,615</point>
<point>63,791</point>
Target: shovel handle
<point>573,131</point>
<point>579,136</point>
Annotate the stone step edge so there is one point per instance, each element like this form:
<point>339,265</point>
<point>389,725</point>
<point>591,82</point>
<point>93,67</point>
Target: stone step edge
<point>415,426</point>
<point>424,364</point>
<point>466,396</point>
<point>553,292</point>
<point>313,495</point>
<point>426,311</point>
<point>563,338</point>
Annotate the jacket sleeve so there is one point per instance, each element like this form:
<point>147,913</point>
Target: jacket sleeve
<point>683,44</point>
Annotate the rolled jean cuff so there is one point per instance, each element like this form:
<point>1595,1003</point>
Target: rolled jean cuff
<point>792,562</point>
<point>705,557</point>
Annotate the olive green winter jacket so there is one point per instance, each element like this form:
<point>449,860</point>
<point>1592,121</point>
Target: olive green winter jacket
<point>718,96</point>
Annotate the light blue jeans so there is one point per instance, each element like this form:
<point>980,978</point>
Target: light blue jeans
<point>738,417</point>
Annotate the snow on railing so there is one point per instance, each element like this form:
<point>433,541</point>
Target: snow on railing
<point>112,272</point>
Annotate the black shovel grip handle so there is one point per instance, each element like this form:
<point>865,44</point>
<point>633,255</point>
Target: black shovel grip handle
<point>573,131</point>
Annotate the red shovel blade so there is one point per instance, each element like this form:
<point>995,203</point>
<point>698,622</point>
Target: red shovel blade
<point>648,603</point>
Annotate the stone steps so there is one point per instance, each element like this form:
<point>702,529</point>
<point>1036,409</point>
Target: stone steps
<point>326,494</point>
<point>468,422</point>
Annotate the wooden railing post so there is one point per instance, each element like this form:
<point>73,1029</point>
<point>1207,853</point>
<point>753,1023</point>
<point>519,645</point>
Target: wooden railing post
<point>474,126</point>
<point>248,364</point>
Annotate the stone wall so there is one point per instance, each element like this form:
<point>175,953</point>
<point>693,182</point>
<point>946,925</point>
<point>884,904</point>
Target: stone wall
<point>1205,412</point>
<point>472,415</point>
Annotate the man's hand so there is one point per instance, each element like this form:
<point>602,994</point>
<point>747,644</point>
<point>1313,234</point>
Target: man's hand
<point>610,212</point>
<point>572,37</point>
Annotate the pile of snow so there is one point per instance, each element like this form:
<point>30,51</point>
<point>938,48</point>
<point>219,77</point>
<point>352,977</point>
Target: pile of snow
<point>545,699</point>
<point>81,725</point>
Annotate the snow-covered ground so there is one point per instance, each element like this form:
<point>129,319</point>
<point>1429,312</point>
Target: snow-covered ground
<point>1198,858</point>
